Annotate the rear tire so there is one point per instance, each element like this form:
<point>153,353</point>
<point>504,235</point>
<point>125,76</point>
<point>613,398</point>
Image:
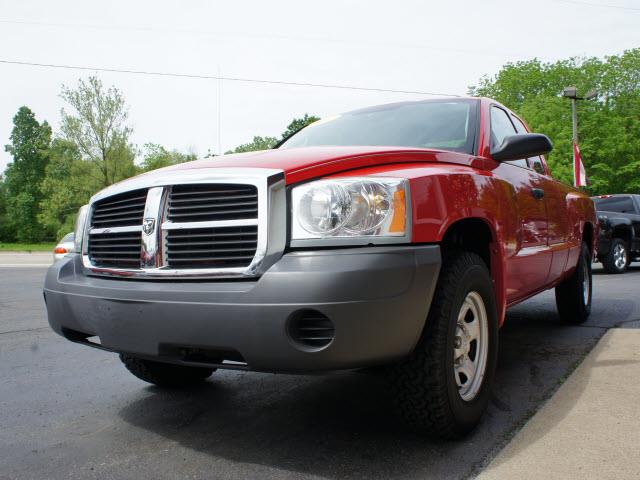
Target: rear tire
<point>573,295</point>
<point>432,392</point>
<point>165,374</point>
<point>617,259</point>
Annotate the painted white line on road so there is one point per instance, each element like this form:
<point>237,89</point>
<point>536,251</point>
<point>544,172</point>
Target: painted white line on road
<point>24,265</point>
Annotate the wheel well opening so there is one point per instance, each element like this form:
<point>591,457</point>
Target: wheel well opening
<point>587,235</point>
<point>472,235</point>
<point>623,232</point>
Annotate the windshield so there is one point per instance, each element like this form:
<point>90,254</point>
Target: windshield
<point>436,124</point>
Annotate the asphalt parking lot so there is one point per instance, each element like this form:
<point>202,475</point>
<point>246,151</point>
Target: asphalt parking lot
<point>68,411</point>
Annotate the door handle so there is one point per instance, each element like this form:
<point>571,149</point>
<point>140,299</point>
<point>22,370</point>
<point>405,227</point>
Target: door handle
<point>537,193</point>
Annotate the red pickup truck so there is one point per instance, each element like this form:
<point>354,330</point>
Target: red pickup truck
<point>393,236</point>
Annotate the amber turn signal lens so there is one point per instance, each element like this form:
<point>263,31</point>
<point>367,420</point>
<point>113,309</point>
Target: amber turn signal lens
<point>399,220</point>
<point>60,250</point>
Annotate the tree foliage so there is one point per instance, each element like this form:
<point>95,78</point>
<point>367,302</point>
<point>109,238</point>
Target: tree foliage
<point>29,148</point>
<point>69,183</point>
<point>265,143</point>
<point>97,126</point>
<point>298,124</point>
<point>608,127</point>
<point>258,143</point>
<point>47,182</point>
<point>156,156</point>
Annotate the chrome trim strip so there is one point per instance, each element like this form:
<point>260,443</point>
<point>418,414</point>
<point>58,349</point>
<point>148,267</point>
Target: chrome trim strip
<point>211,224</point>
<point>240,175</point>
<point>130,228</point>
<point>271,222</point>
<point>151,240</point>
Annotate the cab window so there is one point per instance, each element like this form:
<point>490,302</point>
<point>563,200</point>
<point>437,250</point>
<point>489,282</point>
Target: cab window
<point>502,127</point>
<point>534,163</point>
<point>615,204</point>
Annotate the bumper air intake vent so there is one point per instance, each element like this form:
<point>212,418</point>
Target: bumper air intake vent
<point>311,329</point>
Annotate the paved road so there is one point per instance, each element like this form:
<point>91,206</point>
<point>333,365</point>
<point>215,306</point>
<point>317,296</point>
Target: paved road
<point>69,411</point>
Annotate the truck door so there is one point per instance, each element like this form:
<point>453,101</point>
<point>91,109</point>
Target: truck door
<point>529,262</point>
<point>555,197</point>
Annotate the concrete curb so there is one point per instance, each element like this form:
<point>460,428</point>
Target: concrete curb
<point>590,428</point>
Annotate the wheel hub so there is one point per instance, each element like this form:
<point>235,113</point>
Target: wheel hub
<point>471,343</point>
<point>619,256</point>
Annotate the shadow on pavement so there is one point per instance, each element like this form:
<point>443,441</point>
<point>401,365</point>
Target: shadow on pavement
<point>340,425</point>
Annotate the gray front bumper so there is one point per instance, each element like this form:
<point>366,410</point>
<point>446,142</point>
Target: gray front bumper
<point>377,297</point>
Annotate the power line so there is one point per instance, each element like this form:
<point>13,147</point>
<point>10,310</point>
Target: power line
<point>603,5</point>
<point>273,36</point>
<point>227,79</point>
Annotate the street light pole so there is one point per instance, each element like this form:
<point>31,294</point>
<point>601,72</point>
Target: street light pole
<point>574,114</point>
<point>572,94</point>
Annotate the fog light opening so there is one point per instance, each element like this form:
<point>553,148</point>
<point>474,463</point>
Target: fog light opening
<point>310,330</point>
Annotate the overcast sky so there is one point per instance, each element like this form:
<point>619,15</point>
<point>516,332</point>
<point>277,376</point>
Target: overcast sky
<point>432,46</point>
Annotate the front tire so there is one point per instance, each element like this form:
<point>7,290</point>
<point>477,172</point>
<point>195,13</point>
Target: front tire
<point>617,260</point>
<point>444,386</point>
<point>573,295</point>
<point>165,374</point>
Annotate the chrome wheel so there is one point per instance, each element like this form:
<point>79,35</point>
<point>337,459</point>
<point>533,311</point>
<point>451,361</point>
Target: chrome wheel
<point>619,256</point>
<point>586,283</point>
<point>471,346</point>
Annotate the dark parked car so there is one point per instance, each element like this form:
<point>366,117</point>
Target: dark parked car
<point>619,239</point>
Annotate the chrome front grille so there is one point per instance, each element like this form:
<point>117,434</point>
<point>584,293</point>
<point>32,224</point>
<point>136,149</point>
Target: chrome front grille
<point>115,249</point>
<point>201,224</point>
<point>211,247</point>
<point>199,203</point>
<point>120,210</point>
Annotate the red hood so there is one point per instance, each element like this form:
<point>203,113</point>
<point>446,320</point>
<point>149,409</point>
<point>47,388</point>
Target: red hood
<point>303,163</point>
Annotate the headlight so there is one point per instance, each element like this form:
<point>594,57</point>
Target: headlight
<point>81,221</point>
<point>350,210</point>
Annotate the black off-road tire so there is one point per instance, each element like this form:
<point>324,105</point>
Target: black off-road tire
<point>165,374</point>
<point>609,260</point>
<point>425,392</point>
<point>573,307</point>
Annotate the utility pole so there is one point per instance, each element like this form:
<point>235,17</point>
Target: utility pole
<point>219,111</point>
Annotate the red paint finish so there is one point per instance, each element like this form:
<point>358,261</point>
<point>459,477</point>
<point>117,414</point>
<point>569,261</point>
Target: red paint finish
<point>535,242</point>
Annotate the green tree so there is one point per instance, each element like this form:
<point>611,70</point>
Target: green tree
<point>258,143</point>
<point>609,127</point>
<point>98,128</point>
<point>266,143</point>
<point>68,184</point>
<point>156,156</point>
<point>6,230</point>
<point>29,148</point>
<point>298,124</point>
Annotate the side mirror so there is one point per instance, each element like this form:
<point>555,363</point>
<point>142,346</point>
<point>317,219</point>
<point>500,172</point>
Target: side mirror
<point>524,145</point>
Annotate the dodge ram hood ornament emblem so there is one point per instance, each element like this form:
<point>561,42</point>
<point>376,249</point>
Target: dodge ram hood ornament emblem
<point>148,225</point>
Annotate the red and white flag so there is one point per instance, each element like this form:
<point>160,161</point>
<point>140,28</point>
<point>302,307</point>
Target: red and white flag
<point>579,173</point>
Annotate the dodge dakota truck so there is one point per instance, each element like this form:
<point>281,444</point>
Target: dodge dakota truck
<point>391,238</point>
